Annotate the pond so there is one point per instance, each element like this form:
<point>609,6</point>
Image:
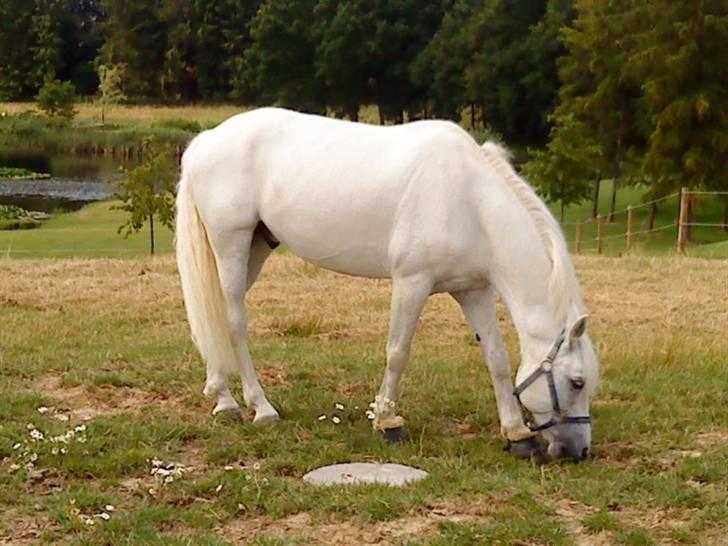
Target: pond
<point>74,181</point>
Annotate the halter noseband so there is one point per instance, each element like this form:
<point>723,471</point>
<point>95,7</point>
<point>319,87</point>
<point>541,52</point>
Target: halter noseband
<point>546,368</point>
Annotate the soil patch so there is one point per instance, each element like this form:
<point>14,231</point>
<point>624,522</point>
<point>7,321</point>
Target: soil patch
<point>329,532</point>
<point>79,403</point>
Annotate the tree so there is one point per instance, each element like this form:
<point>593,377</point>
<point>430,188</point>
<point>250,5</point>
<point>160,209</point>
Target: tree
<point>149,191</point>
<point>512,75</point>
<point>57,100</point>
<point>136,37</point>
<point>81,34</point>
<point>403,29</point>
<point>681,60</point>
<point>279,65</point>
<point>599,94</point>
<point>30,44</point>
<point>564,170</point>
<point>342,62</point>
<point>110,78</point>
<point>440,67</point>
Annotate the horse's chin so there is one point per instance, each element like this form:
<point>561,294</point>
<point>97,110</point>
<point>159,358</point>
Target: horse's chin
<point>559,450</point>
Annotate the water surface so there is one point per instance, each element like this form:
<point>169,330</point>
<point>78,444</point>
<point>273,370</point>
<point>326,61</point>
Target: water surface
<point>74,181</point>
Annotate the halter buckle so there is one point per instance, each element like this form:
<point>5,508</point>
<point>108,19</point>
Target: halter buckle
<point>546,368</point>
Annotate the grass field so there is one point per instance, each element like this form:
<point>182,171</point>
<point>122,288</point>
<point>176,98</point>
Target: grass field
<point>122,114</point>
<point>89,232</point>
<point>708,242</point>
<point>95,354</point>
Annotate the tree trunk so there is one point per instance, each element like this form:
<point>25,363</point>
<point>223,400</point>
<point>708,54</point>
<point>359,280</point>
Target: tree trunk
<point>597,187</point>
<point>613,203</point>
<point>725,213</point>
<point>151,234</point>
<point>653,215</point>
<point>472,117</point>
<point>381,115</point>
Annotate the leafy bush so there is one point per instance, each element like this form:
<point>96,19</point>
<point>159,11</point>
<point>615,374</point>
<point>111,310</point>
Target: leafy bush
<point>12,217</point>
<point>177,123</point>
<point>18,223</point>
<point>57,99</point>
<point>11,212</point>
<point>16,172</point>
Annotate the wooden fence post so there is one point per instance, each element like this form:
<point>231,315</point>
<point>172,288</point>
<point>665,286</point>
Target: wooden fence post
<point>682,239</point>
<point>599,233</point>
<point>630,223</point>
<point>579,231</point>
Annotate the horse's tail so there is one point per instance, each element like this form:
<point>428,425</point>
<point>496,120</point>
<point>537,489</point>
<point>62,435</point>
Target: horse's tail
<point>203,296</point>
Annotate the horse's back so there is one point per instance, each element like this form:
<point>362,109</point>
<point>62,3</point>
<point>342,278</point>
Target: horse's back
<point>331,191</point>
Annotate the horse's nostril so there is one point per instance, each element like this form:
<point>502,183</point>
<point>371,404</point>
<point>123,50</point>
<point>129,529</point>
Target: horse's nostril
<point>584,453</point>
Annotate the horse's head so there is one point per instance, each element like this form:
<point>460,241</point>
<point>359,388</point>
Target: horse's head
<point>557,392</point>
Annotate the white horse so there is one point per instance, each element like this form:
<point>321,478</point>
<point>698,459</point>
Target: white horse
<point>419,203</point>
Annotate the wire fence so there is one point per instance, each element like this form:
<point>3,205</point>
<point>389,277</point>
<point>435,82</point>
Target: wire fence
<point>593,233</point>
<point>590,234</point>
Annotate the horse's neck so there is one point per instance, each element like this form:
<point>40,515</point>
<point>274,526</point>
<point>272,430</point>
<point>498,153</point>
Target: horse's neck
<point>530,308</point>
<point>522,278</point>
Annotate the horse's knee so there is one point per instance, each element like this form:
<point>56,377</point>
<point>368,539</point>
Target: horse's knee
<point>396,356</point>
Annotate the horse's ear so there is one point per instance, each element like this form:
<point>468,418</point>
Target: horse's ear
<point>577,329</point>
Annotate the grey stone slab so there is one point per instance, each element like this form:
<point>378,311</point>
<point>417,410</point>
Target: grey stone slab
<point>352,473</point>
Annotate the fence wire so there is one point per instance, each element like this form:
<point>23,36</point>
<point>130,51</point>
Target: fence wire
<point>629,235</point>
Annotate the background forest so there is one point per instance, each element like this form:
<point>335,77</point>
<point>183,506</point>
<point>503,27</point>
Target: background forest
<point>629,90</point>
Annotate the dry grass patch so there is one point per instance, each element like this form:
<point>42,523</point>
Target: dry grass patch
<point>125,114</point>
<point>106,340</point>
<point>84,403</point>
<point>571,514</point>
<point>20,528</point>
<point>308,528</point>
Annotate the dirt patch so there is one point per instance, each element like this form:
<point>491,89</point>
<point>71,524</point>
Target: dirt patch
<point>330,532</point>
<point>18,528</point>
<point>713,438</point>
<point>570,514</point>
<point>273,374</point>
<point>79,403</point>
<point>661,519</point>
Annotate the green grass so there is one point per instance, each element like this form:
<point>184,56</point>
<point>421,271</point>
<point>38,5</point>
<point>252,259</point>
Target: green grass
<point>708,242</point>
<point>17,173</point>
<point>106,341</point>
<point>90,231</point>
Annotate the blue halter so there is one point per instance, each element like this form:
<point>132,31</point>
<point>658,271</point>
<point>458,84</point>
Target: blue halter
<point>546,368</point>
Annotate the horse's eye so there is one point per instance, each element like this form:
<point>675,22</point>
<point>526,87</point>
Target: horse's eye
<point>577,383</point>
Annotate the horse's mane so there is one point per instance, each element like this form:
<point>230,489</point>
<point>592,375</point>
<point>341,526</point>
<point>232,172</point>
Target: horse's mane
<point>563,287</point>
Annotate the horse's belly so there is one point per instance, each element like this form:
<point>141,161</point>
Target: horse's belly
<point>360,261</point>
<point>355,244</point>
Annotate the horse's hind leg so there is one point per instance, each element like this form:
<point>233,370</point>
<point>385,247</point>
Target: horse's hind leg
<point>260,249</point>
<point>233,251</point>
<point>408,298</point>
<point>479,309</point>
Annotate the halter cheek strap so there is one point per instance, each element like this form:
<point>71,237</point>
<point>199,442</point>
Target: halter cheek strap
<point>546,368</point>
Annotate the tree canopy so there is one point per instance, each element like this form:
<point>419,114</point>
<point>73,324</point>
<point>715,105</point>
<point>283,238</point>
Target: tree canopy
<point>634,90</point>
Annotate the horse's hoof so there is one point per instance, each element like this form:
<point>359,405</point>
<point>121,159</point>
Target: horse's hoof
<point>394,435</point>
<point>231,415</point>
<point>527,448</point>
<point>267,419</point>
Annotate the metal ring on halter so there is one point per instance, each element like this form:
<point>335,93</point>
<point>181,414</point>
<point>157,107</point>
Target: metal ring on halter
<point>546,368</point>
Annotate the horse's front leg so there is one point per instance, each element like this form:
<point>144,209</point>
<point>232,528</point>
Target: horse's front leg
<point>408,298</point>
<point>479,309</point>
